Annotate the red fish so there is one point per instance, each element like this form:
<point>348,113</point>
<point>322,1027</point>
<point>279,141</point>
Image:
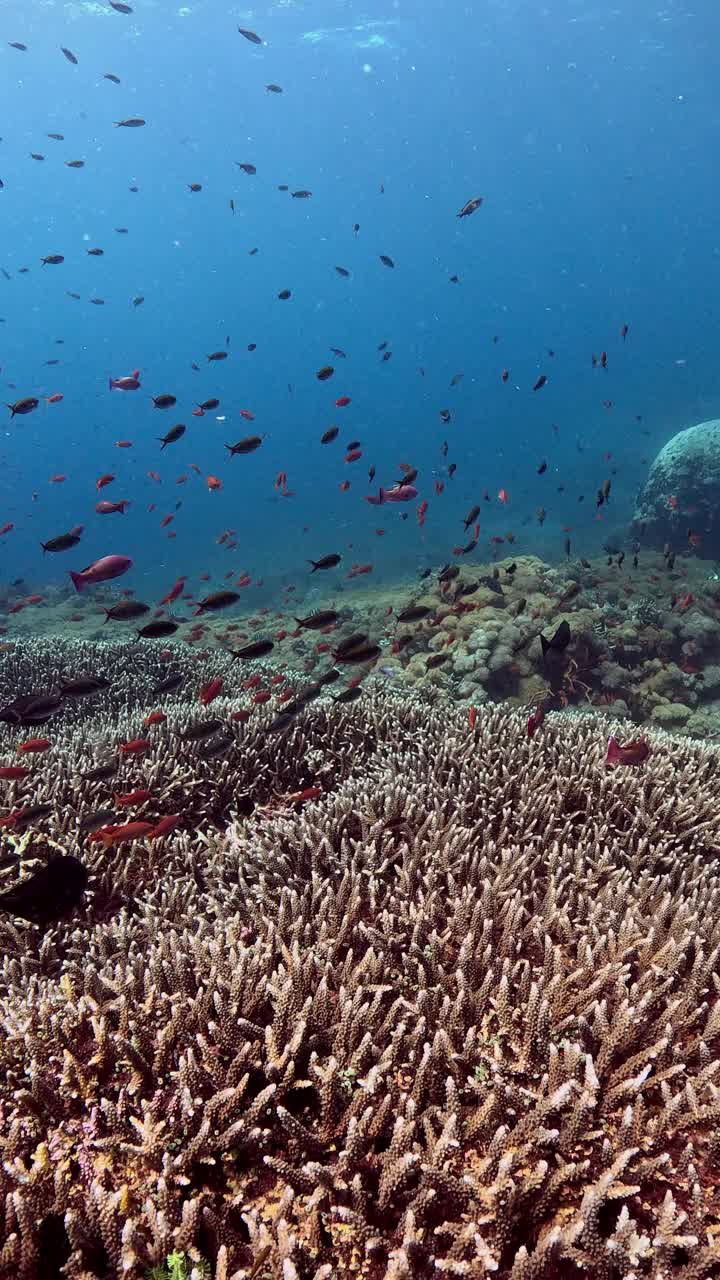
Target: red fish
<point>175,591</point>
<point>55,398</point>
<point>155,717</point>
<point>472,717</point>
<point>136,747</point>
<point>211,690</point>
<point>535,719</point>
<point>13,772</point>
<point>104,480</point>
<point>103,570</point>
<point>344,486</point>
<point>132,797</point>
<point>33,746</point>
<point>7,527</point>
<point>130,383</point>
<point>165,826</point>
<point>359,569</point>
<point>503,496</point>
<point>214,483</point>
<point>119,834</point>
<point>353,455</point>
<point>123,444</point>
<point>634,752</point>
<point>398,493</point>
<point>247,415</point>
<point>57,479</point>
<point>421,511</point>
<point>342,401</point>
<point>505,375</point>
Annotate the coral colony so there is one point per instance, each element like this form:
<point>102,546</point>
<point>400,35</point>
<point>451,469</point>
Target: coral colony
<point>405,992</point>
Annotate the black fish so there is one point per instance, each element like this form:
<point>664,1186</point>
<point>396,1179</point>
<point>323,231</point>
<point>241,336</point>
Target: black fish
<point>326,372</point>
<point>109,76</point>
<point>126,611</point>
<point>69,55</point>
<point>100,818</point>
<point>246,445</point>
<point>327,562</point>
<point>342,271</point>
<point>157,630</point>
<point>448,573</point>
<point>357,640</point>
<point>134,122</point>
<point>95,253</point>
<point>212,403</point>
<point>246,168</point>
<point>436,660</point>
<point>282,721</point>
<point>386,261</point>
<point>328,677</point>
<point>349,695</point>
<point>256,649</point>
<point>168,685</point>
<point>194,186</point>
<point>23,406</point>
<point>164,401</point>
<point>275,88</point>
<point>540,382</point>
<point>284,294</point>
<point>218,600</point>
<point>365,653</point>
<point>62,543</point>
<point>414,613</point>
<point>301,195</point>
<point>52,260</point>
<point>217,746</point>
<point>173,434</point>
<point>252,36</point>
<point>218,355</point>
<point>201,730</point>
<point>471,516</point>
<point>119,7</point>
<point>49,893</point>
<point>83,687</point>
<point>101,772</point>
<point>559,642</point>
<point>316,621</point>
<point>137,302</point>
<point>330,434</point>
<point>32,814</point>
<point>470,206</point>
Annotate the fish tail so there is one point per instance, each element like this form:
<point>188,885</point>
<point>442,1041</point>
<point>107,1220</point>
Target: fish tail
<point>544,645</point>
<point>314,565</point>
<point>613,751</point>
<point>78,581</point>
<point>110,383</point>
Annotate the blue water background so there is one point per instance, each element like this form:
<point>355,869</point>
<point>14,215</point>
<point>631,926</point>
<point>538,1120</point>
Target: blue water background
<point>591,133</point>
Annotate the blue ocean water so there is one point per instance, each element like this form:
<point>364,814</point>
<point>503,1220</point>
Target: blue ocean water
<point>588,131</point>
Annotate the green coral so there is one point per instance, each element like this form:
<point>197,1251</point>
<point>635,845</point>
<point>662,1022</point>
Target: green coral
<point>177,1266</point>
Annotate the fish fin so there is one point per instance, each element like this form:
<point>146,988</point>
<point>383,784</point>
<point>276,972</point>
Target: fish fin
<point>544,645</point>
<point>78,581</point>
<point>613,751</point>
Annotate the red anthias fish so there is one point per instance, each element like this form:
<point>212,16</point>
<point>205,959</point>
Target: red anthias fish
<point>535,719</point>
<point>634,752</point>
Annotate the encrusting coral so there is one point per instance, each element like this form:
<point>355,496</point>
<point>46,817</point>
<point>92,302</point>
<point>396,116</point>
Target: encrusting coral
<point>455,1016</point>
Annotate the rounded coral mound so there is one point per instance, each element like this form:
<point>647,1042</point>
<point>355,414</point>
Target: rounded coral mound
<point>456,1015</point>
<point>683,489</point>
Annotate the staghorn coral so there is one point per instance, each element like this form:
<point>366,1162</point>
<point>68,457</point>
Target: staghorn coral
<point>458,1016</point>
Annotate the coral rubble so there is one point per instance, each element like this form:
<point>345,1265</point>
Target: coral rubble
<point>456,1014</point>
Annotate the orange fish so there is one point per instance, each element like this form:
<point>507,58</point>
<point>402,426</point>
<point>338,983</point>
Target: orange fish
<point>57,479</point>
<point>153,475</point>
<point>136,747</point>
<point>344,486</point>
<point>503,495</point>
<point>55,398</point>
<point>123,444</point>
<point>214,483</point>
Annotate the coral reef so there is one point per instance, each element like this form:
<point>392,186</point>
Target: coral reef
<point>682,488</point>
<point>453,1014</point>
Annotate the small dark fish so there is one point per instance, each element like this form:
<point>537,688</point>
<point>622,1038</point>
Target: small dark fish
<point>445,417</point>
<point>98,302</point>
<point>283,187</point>
<point>301,195</point>
<point>194,186</point>
<point>256,649</point>
<point>386,261</point>
<point>247,445</point>
<point>138,301</point>
<point>343,271</point>
<point>316,621</point>
<point>326,372</point>
<point>246,168</point>
<point>356,641</point>
<point>62,543</point>
<point>52,260</point>
<point>109,76</point>
<point>558,643</point>
<point>542,468</point>
<point>218,355</point>
<point>169,685</point>
<point>232,206</point>
<point>164,401</point>
<point>338,351</point>
<point>364,653</point>
<point>23,406</point>
<point>48,894</point>
<point>84,686</point>
<point>157,630</point>
<point>326,562</point>
<point>15,44</point>
<point>101,772</point>
<point>328,677</point>
<point>252,36</point>
<point>95,253</point>
<point>284,294</point>
<point>201,730</point>
<point>119,7</point>
<point>414,613</point>
<point>35,155</point>
<point>349,695</point>
<point>218,600</point>
<point>126,611</point>
<point>540,382</point>
<point>76,164</point>
<point>69,55</point>
<point>282,722</point>
<point>448,573</point>
<point>470,206</point>
<point>330,434</point>
<point>173,434</point>
<point>99,818</point>
<point>212,403</point>
<point>57,137</point>
<point>471,516</point>
<point>218,746</point>
<point>275,88</point>
<point>133,122</point>
<point>436,660</point>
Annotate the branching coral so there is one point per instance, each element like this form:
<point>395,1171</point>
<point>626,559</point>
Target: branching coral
<point>458,1016</point>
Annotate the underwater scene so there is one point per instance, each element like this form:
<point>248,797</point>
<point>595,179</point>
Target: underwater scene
<point>359,640</point>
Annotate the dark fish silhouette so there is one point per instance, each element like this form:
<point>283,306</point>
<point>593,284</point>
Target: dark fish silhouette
<point>51,892</point>
<point>558,643</point>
